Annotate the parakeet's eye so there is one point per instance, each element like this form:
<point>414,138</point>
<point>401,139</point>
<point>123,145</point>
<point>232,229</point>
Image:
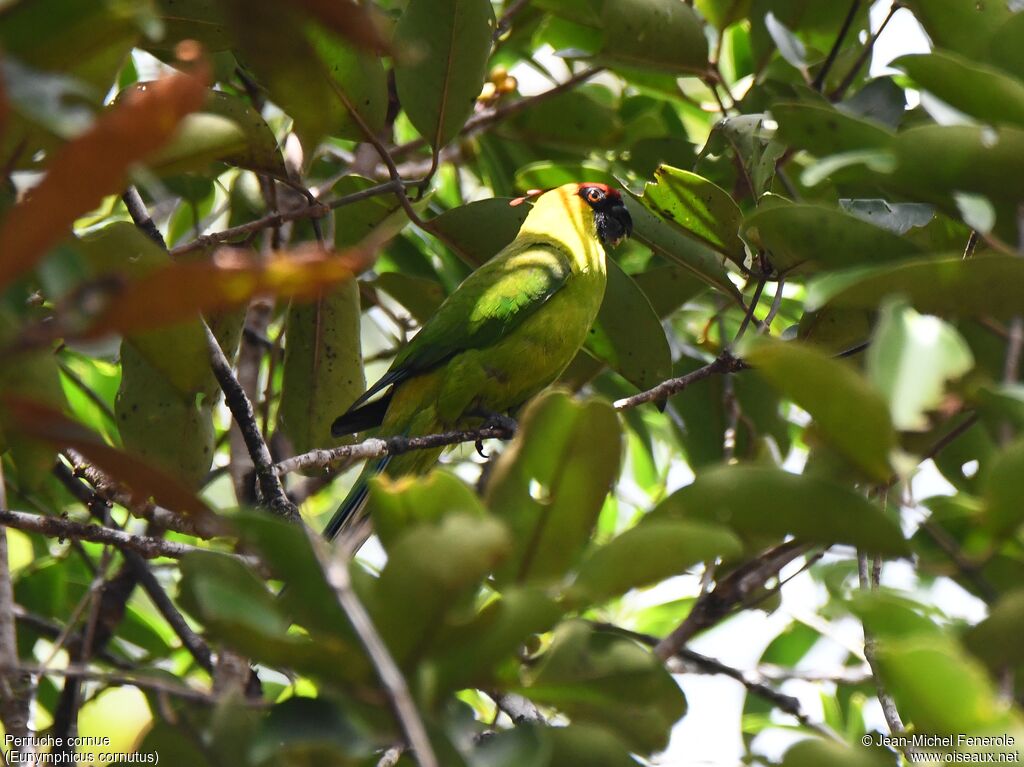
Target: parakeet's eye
<point>594,195</point>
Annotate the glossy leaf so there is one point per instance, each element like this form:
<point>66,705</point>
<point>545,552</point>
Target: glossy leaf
<point>824,130</point>
<point>756,500</point>
<point>961,27</point>
<point>665,241</point>
<point>627,334</point>
<point>948,286</point>
<point>649,553</point>
<point>604,678</point>
<point>846,410</point>
<point>477,231</point>
<point>975,89</point>
<point>696,207</point>
<point>400,504</point>
<point>550,485</point>
<point>655,34</point>
<point>226,129</point>
<point>431,568</point>
<point>447,44</point>
<point>910,359</point>
<point>808,237</point>
<point>814,751</point>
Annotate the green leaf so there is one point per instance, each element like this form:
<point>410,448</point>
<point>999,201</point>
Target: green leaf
<point>323,366</point>
<point>400,504</point>
<point>757,500</point>
<point>201,20</point>
<point>87,40</point>
<point>890,615</point>
<point>846,410</point>
<point>286,551</point>
<point>942,691</point>
<point>815,751</point>
<point>1002,487</point>
<point>477,231</point>
<point>550,485</point>
<point>665,241</point>
<point>976,89</point>
<point>590,745</point>
<point>627,334</point>
<point>696,207</point>
<point>962,27</point>
<point>419,295</point>
<point>1006,48</point>
<point>607,679</point>
<point>648,553</point>
<point>166,740</point>
<point>473,653</point>
<point>309,73</point>
<point>668,287</point>
<point>160,423</point>
<point>35,375</point>
<point>975,159</point>
<point>824,130</point>
<point>228,130</point>
<point>447,43</point>
<point>654,34</point>
<point>431,569</point>
<point>228,596</point>
<point>948,286</point>
<point>807,237</point>
<point>310,731</point>
<point>910,359</point>
<point>996,640</point>
<point>546,174</point>
<point>571,121</point>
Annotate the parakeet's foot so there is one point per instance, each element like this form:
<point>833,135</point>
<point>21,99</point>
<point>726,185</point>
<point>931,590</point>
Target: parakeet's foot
<point>494,420</point>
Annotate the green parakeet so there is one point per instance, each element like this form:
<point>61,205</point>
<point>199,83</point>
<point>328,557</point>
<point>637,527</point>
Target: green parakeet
<point>504,334</point>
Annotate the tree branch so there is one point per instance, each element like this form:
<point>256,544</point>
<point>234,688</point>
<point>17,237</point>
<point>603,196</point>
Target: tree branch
<point>276,218</point>
<point>724,363</point>
<point>376,448</point>
<point>238,403</point>
<point>335,569</point>
<point>59,527</point>
<point>15,687</point>
<point>819,79</point>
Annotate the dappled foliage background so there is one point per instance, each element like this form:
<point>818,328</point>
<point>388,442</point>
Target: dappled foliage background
<point>834,257</point>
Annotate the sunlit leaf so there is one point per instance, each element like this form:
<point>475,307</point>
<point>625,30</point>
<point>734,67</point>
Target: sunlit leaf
<point>756,500</point>
<point>910,359</point>
<point>851,415</point>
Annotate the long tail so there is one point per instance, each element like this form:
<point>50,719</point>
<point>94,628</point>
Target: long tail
<point>350,512</point>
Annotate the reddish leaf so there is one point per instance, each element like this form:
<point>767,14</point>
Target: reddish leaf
<point>84,171</point>
<point>181,290</point>
<point>143,480</point>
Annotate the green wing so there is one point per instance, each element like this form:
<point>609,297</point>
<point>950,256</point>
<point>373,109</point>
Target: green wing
<point>488,305</point>
<point>491,303</point>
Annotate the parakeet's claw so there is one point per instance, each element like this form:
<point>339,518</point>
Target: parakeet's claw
<point>479,444</point>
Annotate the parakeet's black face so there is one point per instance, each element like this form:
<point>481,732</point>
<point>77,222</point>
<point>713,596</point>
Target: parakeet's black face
<point>610,215</point>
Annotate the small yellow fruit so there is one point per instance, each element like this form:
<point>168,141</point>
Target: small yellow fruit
<point>498,75</point>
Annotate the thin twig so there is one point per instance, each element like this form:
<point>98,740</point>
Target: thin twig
<point>865,54</point>
<point>238,403</point>
<point>15,686</point>
<point>724,363</point>
<point>889,711</point>
<point>506,18</point>
<point>110,679</point>
<point>376,448</point>
<point>61,528</point>
<point>766,323</point>
<point>335,568</point>
<point>819,79</point>
<point>752,681</point>
<point>140,215</point>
